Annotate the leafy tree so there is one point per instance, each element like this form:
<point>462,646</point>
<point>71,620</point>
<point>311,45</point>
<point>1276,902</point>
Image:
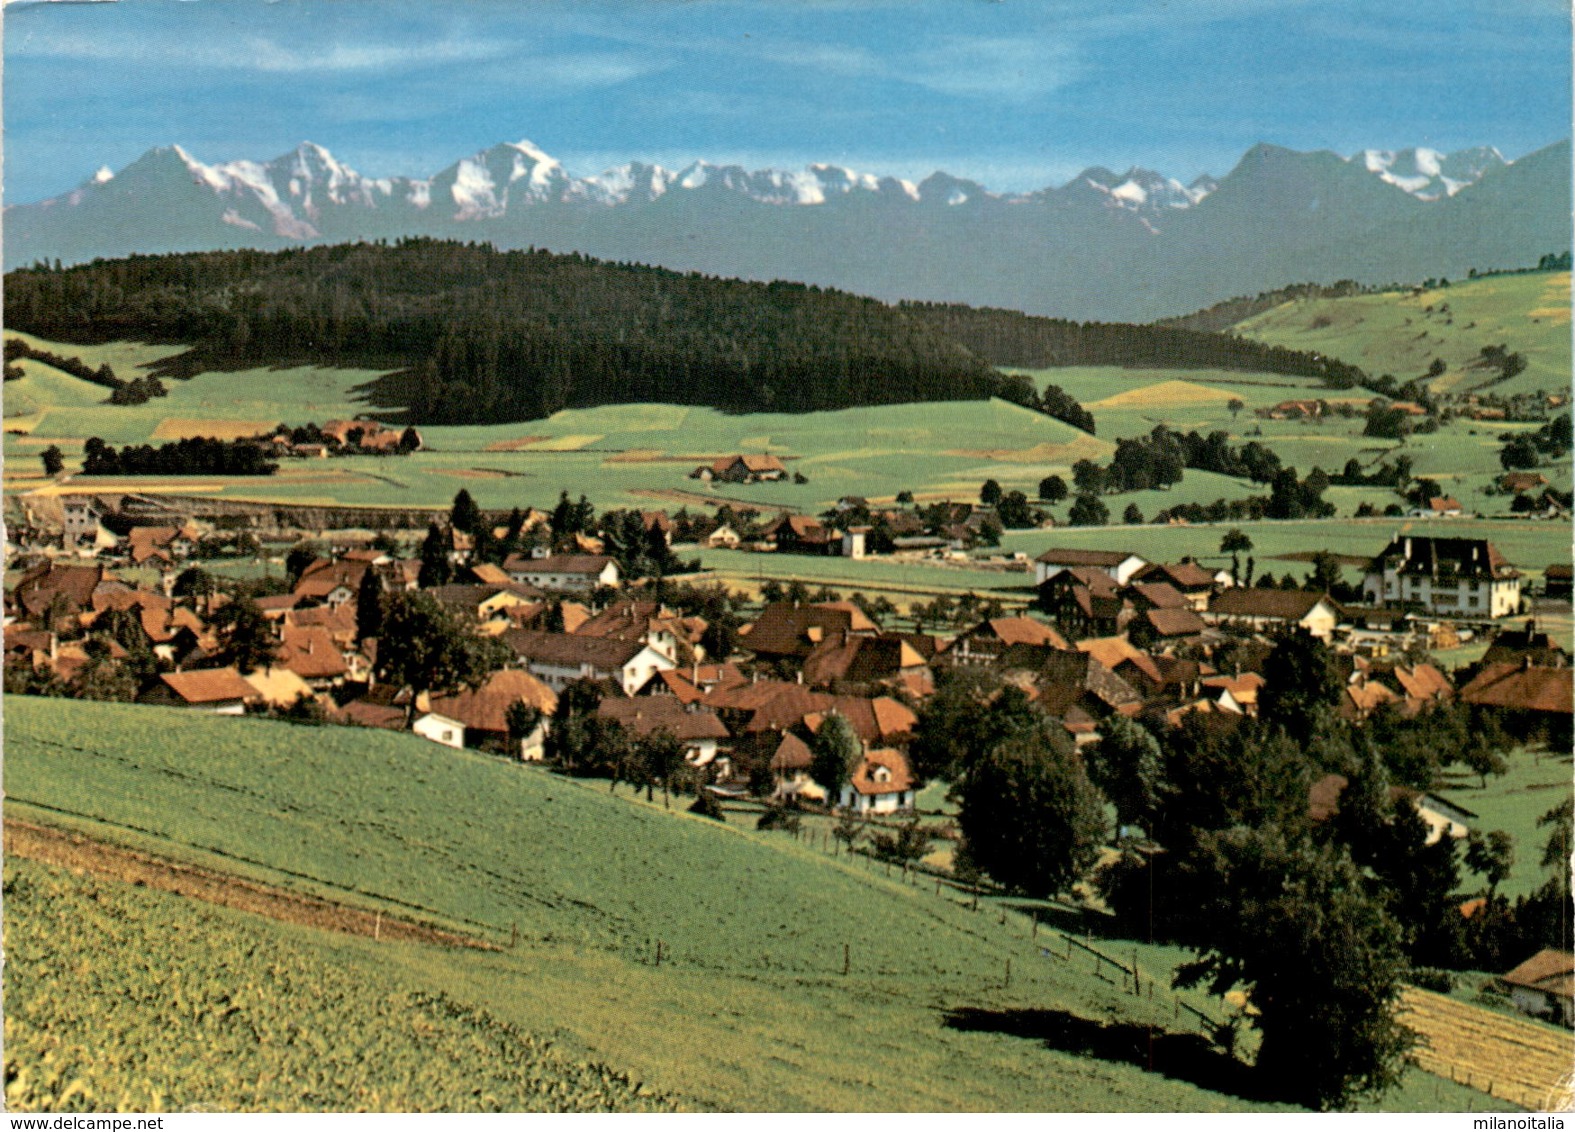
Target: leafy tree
<point>990,493</point>
<point>904,497</point>
<point>1326,576</point>
<point>907,844</point>
<point>1014,511</point>
<point>1088,477</point>
<point>1235,405</point>
<point>1132,516</point>
<point>54,460</point>
<point>969,713</point>
<point>436,568</point>
<point>465,515</point>
<point>1482,759</point>
<point>1126,766</point>
<point>1320,958</point>
<point>194,581</point>
<point>424,647</point>
<point>1088,511</point>
<point>101,678</point>
<point>522,719</point>
<point>1236,543</point>
<point>369,605</point>
<point>835,752</point>
<point>1052,489</point>
<point>1491,856</point>
<point>296,562</point>
<point>246,639</point>
<point>1300,683</point>
<point>1032,819</point>
<point>661,759</point>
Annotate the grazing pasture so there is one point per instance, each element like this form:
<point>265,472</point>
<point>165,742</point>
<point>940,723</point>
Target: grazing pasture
<point>754,1003</point>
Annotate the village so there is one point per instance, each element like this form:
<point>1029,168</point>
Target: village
<point>1107,635</point>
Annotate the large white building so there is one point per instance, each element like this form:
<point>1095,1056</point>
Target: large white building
<point>1454,577</point>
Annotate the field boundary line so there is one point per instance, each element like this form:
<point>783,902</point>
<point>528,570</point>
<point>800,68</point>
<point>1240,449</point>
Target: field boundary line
<point>51,845</point>
<point>112,847</point>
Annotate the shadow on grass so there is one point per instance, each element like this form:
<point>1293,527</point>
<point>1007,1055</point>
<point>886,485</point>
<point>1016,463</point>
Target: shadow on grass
<point>1184,1057</point>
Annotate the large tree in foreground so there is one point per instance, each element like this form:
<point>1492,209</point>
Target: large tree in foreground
<point>426,648</point>
<point>1295,926</point>
<point>1031,818</point>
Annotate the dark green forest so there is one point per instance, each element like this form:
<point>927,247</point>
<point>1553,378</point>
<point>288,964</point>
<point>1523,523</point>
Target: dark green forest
<point>474,335</point>
<point>477,335</point>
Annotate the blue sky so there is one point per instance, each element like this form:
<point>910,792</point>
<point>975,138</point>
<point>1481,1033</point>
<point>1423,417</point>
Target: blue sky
<point>1018,94</point>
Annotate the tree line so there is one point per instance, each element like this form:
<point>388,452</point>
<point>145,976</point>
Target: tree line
<point>1011,338</point>
<point>194,456</point>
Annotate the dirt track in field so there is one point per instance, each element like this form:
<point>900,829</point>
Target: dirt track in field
<point>53,846</point>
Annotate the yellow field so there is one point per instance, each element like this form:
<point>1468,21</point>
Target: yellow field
<point>1164,393</point>
<point>183,428</point>
<point>1046,453</point>
<point>1514,1059</point>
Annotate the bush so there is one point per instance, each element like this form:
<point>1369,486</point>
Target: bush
<point>706,805</point>
<point>1430,978</point>
<point>779,816</point>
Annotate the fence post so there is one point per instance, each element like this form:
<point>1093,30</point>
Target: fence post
<point>1008,971</point>
<point>514,934</point>
<point>845,959</point>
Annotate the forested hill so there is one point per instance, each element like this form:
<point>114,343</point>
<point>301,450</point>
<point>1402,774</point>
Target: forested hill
<point>1010,338</point>
<point>479,335</point>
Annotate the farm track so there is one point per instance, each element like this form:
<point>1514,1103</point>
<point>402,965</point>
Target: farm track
<point>1514,1060</point>
<point>54,846</point>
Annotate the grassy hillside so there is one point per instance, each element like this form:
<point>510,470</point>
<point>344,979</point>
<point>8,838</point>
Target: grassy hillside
<point>122,999</point>
<point>749,1008</point>
<point>1400,333</point>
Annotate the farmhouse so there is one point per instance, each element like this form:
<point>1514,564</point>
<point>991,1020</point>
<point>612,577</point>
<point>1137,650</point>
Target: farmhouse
<point>563,573</point>
<point>882,784</point>
<point>559,659</point>
<point>1119,564</point>
<point>1084,601</point>
<point>1438,507</point>
<point>221,691</point>
<point>439,728</point>
<point>1556,581</point>
<point>696,727</point>
<point>1449,576</point>
<point>799,534</point>
<point>484,711</point>
<point>1262,609</point>
<point>1544,986</point>
<point>787,630</point>
<point>1442,817</point>
<point>987,641</point>
<point>741,469</point>
<point>1189,579</point>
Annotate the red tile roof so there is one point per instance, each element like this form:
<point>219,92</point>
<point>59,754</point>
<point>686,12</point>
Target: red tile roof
<point>899,777</point>
<point>208,685</point>
<point>1523,687</point>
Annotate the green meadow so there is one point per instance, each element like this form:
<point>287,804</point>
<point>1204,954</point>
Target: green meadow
<point>750,1008</point>
<point>1401,332</point>
<point>1536,780</point>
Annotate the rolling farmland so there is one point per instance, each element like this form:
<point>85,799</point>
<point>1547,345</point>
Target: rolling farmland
<point>748,1009</point>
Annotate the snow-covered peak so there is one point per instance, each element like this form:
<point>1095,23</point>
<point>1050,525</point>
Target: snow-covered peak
<point>1428,174</point>
<point>105,173</point>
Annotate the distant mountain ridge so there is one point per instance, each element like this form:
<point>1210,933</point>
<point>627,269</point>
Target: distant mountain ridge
<point>1105,245</point>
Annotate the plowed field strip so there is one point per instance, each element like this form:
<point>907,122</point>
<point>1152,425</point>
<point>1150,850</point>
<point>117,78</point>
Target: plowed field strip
<point>54,846</point>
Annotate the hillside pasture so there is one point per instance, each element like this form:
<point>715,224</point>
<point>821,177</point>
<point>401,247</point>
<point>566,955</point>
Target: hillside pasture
<point>749,1007</point>
<point>1402,332</point>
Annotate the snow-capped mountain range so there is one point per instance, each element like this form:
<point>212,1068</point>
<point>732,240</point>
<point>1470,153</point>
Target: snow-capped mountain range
<point>1104,244</point>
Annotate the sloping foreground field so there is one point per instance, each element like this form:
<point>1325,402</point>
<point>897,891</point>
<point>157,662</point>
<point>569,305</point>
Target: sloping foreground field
<point>750,1006</point>
<point>118,998</point>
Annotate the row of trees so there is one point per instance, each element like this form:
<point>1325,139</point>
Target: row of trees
<point>194,456</point>
<point>1526,450</point>
<point>1160,459</point>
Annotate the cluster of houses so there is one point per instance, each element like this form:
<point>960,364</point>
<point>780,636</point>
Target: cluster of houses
<point>361,436</point>
<point>1111,634</point>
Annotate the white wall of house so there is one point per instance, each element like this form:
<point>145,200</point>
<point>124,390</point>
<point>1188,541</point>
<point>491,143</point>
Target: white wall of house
<point>876,803</point>
<point>1460,597</point>
<point>567,582</point>
<point>440,729</point>
<point>1122,572</point>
